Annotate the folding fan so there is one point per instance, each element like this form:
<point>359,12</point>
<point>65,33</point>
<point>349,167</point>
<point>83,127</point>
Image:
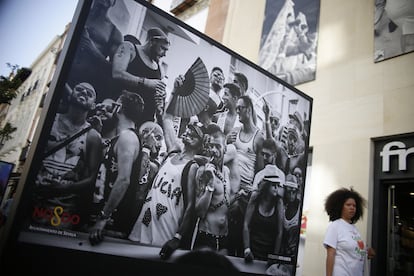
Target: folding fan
<point>190,98</point>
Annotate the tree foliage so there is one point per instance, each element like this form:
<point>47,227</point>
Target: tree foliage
<point>8,91</point>
<point>9,85</point>
<point>6,131</point>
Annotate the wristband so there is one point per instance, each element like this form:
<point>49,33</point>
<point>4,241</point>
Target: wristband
<point>141,81</point>
<point>102,215</point>
<point>146,150</point>
<point>209,189</point>
<point>178,236</point>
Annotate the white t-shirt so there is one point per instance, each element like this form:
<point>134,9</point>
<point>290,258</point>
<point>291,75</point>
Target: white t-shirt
<point>350,249</point>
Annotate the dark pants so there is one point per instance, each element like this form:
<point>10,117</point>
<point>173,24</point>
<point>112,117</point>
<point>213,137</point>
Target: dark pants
<point>214,242</point>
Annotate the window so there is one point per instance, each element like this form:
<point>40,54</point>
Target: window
<point>35,84</point>
<point>178,6</point>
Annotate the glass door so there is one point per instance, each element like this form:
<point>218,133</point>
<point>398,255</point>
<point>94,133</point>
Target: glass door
<point>400,229</point>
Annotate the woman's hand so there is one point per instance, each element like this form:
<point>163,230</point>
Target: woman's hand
<point>371,253</point>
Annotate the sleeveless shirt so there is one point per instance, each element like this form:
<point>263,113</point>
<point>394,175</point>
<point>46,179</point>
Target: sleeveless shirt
<point>65,166</point>
<point>221,120</point>
<point>246,157</point>
<point>125,213</point>
<point>263,231</point>
<point>291,232</point>
<point>163,209</point>
<point>137,67</point>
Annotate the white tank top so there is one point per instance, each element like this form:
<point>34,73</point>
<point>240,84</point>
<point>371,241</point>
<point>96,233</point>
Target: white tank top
<point>246,157</point>
<point>163,209</point>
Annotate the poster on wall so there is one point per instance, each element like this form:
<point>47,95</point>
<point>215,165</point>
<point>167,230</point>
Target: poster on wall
<point>6,169</point>
<point>160,143</point>
<point>289,39</point>
<point>393,28</point>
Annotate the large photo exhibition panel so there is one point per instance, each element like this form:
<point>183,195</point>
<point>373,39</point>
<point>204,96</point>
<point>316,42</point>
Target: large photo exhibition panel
<point>161,144</point>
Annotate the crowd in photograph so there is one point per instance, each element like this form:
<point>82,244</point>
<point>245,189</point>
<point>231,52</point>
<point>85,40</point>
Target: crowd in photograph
<point>128,167</point>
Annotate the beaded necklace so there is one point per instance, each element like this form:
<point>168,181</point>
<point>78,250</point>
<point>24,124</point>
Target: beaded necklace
<point>224,200</point>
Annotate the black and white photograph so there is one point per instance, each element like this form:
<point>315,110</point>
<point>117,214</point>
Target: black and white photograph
<point>289,39</point>
<point>165,145</point>
<point>393,28</point>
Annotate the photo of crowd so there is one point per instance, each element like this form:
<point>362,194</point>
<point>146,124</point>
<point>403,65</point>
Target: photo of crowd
<point>393,28</point>
<point>289,39</point>
<point>165,139</point>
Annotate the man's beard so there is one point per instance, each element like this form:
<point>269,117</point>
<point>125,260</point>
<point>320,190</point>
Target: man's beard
<point>190,146</point>
<point>79,105</point>
<point>216,160</point>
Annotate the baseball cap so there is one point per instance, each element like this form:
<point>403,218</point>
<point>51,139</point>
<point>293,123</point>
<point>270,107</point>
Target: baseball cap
<point>291,181</point>
<point>198,128</point>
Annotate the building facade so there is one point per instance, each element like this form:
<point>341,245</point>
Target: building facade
<point>24,110</point>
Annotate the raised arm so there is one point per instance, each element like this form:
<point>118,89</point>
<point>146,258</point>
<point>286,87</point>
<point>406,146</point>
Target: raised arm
<point>267,126</point>
<point>170,138</point>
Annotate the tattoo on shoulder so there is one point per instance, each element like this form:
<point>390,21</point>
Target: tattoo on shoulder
<point>121,50</point>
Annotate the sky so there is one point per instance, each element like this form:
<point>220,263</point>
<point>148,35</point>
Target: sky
<point>28,26</point>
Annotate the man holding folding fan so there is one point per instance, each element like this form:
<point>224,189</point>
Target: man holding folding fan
<point>137,68</point>
<point>167,217</point>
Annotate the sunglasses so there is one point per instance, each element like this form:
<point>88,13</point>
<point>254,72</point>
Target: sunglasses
<point>276,185</point>
<point>291,191</point>
<point>81,88</point>
<point>265,154</point>
<point>240,107</point>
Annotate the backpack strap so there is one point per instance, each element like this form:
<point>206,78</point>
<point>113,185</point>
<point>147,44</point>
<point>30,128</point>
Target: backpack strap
<point>184,179</point>
<point>67,141</point>
<point>187,237</point>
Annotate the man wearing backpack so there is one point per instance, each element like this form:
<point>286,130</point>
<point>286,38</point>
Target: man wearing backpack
<point>167,217</point>
<point>65,181</point>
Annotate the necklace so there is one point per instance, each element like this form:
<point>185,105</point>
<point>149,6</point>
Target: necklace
<point>181,156</point>
<point>219,176</point>
<point>225,199</point>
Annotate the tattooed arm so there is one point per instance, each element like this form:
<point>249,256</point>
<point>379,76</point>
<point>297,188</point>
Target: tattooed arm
<point>124,54</point>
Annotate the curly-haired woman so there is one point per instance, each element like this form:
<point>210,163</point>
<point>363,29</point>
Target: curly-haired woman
<point>346,251</point>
